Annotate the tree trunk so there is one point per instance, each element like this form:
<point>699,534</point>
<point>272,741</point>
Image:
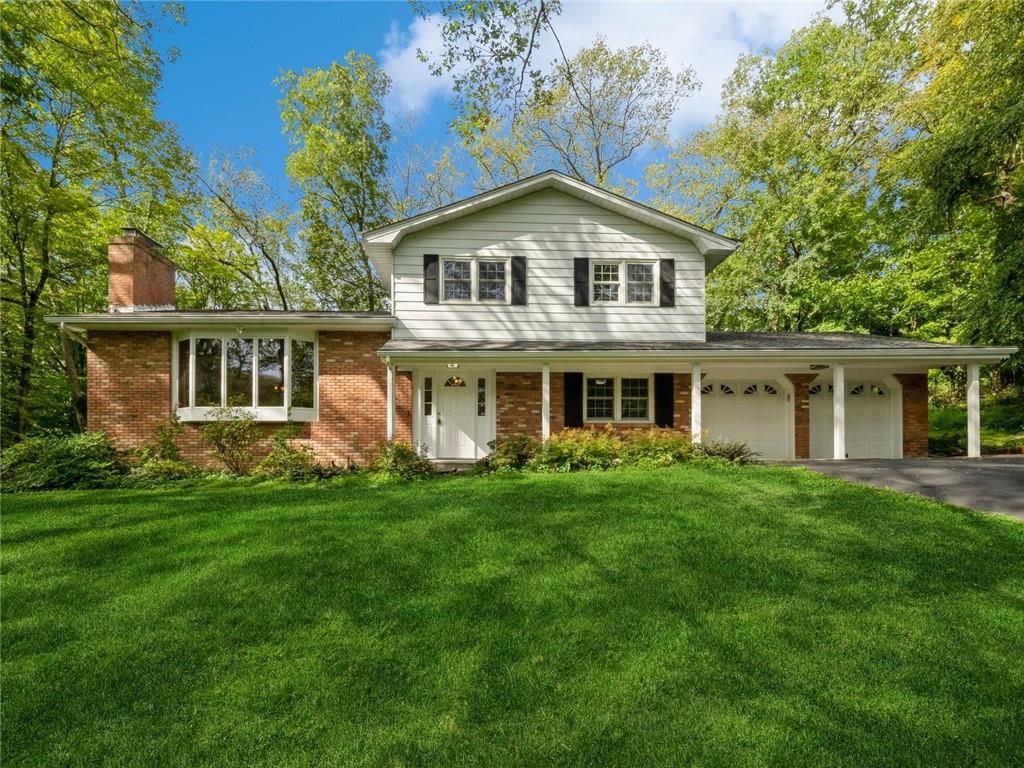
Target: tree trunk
<point>67,345</point>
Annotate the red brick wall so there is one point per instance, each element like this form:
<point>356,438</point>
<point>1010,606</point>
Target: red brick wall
<point>129,375</point>
<point>915,413</point>
<point>139,275</point>
<point>518,397</point>
<point>802,413</point>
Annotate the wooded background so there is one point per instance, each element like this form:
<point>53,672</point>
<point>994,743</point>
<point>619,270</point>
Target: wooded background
<point>871,166</point>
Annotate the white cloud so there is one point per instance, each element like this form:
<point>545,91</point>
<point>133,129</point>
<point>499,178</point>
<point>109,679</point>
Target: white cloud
<point>708,36</point>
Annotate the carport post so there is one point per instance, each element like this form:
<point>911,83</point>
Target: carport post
<point>545,401</point>
<point>391,401</point>
<point>974,410</point>
<point>838,412</point>
<point>695,403</point>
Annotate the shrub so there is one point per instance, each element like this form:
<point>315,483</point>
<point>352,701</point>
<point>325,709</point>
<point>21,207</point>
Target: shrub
<point>737,453</point>
<point>572,450</point>
<point>286,460</point>
<point>509,454</point>
<point>164,446</point>
<point>232,438</point>
<point>398,461</point>
<point>86,460</point>
<point>155,471</point>
<point>947,444</point>
<point>656,448</point>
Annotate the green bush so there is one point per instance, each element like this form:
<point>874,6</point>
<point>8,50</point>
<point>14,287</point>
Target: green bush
<point>737,453</point>
<point>509,454</point>
<point>155,471</point>
<point>656,448</point>
<point>165,445</point>
<point>398,461</point>
<point>233,438</point>
<point>86,460</point>
<point>573,450</point>
<point>292,462</point>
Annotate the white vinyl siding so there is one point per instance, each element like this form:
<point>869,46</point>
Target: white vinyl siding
<point>549,229</point>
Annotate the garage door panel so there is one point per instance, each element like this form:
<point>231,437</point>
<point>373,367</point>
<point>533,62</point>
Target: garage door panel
<point>868,421</point>
<point>750,412</point>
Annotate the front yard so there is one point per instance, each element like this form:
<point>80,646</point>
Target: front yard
<point>694,616</point>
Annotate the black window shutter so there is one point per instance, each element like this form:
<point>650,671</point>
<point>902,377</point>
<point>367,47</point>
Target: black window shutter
<point>519,280</point>
<point>581,277</point>
<point>664,401</point>
<point>574,399</point>
<point>430,278</point>
<point>668,283</point>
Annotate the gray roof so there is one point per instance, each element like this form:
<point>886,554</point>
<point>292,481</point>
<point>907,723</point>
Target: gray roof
<point>716,340</point>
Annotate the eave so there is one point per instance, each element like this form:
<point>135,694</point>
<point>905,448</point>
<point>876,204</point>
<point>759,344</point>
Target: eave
<point>174,321</point>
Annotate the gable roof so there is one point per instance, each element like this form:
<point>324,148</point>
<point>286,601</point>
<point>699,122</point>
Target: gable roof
<point>380,242</point>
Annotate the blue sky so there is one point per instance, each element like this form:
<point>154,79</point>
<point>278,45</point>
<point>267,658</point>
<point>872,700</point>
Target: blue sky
<point>220,92</point>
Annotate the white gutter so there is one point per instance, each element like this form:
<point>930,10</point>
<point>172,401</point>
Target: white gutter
<point>182,320</point>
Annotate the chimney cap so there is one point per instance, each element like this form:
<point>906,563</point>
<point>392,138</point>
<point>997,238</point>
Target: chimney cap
<point>132,232</point>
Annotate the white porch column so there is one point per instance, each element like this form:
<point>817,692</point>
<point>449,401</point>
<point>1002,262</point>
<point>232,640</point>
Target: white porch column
<point>974,410</point>
<point>695,427</point>
<point>545,401</point>
<point>391,402</point>
<point>838,412</point>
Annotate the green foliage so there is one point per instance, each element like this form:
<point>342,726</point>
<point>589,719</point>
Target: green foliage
<point>397,461</point>
<point>656,448</point>
<point>509,454</point>
<point>1002,427</point>
<point>732,452</point>
<point>287,460</point>
<point>573,450</point>
<point>157,471</point>
<point>85,460</point>
<point>165,444</point>
<point>233,438</point>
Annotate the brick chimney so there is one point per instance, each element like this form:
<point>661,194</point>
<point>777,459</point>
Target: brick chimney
<point>140,278</point>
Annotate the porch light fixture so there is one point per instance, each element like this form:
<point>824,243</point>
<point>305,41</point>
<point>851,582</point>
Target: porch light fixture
<point>600,382</point>
<point>818,367</point>
<point>453,365</point>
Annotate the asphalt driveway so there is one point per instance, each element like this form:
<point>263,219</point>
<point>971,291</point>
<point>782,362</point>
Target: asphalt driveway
<point>989,484</point>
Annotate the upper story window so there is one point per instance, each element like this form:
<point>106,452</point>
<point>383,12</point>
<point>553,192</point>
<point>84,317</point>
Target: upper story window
<point>272,377</point>
<point>466,280</point>
<point>623,282</point>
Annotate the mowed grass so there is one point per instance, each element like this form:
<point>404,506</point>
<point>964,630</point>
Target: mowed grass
<point>720,617</point>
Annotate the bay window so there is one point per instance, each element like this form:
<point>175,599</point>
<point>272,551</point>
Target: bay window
<point>271,376</point>
<point>610,398</point>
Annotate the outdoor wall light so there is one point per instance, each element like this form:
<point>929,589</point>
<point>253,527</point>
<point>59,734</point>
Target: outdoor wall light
<point>453,365</point>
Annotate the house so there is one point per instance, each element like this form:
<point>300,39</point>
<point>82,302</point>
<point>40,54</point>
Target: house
<point>537,306</point>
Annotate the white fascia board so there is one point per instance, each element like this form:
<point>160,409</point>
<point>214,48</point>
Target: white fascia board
<point>187,320</point>
<point>379,243</point>
<point>925,357</point>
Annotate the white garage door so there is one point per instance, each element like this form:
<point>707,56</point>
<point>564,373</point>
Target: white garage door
<point>749,412</point>
<point>869,433</point>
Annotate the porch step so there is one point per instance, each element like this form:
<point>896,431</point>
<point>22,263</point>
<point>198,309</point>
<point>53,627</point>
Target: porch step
<point>454,466</point>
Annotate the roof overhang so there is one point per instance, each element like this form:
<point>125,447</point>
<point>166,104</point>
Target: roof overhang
<point>929,358</point>
<point>380,243</point>
<point>174,321</point>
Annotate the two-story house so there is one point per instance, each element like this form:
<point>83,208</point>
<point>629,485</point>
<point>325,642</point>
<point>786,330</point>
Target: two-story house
<point>538,306</point>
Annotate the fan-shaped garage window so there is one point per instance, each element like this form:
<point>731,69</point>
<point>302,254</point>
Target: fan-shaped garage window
<point>725,389</point>
<point>455,381</point>
<point>769,389</point>
<point>877,391</point>
<point>751,389</point>
<point>857,390</point>
<point>707,389</point>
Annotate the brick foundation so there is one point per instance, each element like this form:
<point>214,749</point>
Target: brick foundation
<point>802,413</point>
<point>129,375</point>
<point>915,413</point>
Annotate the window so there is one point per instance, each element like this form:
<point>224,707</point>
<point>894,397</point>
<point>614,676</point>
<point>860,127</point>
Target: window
<point>273,377</point>
<point>750,390</point>
<point>769,389</point>
<point>455,381</point>
<point>623,282</point>
<point>428,396</point>
<point>606,283</point>
<point>481,396</point>
<point>707,389</point>
<point>635,399</point>
<point>491,281</point>
<point>484,280</point>
<point>611,399</point>
<point>458,280</point>
<point>601,399</point>
<point>639,283</point>
<point>857,390</point>
<point>725,389</point>
<point>184,356</point>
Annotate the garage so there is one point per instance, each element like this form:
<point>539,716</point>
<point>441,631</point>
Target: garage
<point>752,412</point>
<point>869,421</point>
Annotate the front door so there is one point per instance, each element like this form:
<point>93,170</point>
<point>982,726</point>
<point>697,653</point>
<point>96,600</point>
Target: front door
<point>456,419</point>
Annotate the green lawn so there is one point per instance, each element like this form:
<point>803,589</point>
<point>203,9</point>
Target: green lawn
<point>728,617</point>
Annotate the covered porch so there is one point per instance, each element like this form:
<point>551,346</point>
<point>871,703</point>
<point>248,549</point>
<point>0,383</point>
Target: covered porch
<point>786,402</point>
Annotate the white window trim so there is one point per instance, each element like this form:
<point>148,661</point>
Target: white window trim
<point>624,282</point>
<point>474,280</point>
<point>260,413</point>
<point>617,398</point>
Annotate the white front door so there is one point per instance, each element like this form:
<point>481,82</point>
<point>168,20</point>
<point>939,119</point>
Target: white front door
<point>456,418</point>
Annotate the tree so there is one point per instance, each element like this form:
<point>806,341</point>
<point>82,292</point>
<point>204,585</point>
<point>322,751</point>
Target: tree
<point>81,153</point>
<point>334,120</point>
